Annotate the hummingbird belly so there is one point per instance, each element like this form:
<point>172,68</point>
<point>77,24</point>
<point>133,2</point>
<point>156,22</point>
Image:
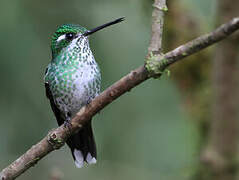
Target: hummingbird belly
<point>73,88</point>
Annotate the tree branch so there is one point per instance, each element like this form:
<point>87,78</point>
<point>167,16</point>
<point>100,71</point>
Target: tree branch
<point>56,138</point>
<point>155,45</point>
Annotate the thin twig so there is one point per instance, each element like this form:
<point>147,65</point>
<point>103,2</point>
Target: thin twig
<point>57,137</point>
<point>202,42</point>
<point>160,8</point>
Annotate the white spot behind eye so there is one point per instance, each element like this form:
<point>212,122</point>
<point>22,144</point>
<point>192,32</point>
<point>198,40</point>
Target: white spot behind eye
<point>61,38</point>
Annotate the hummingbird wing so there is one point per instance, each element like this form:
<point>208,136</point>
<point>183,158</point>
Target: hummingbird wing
<point>54,108</point>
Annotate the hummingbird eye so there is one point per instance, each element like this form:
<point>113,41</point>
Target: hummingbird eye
<point>70,36</point>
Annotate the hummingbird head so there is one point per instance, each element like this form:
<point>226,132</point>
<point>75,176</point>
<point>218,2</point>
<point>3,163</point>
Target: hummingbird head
<point>65,34</point>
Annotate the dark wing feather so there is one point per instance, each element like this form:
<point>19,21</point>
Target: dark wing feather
<point>54,108</point>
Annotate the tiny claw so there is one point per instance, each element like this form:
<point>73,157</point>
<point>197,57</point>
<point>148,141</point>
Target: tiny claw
<point>89,100</point>
<point>67,123</point>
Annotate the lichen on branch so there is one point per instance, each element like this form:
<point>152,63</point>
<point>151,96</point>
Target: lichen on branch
<point>155,65</point>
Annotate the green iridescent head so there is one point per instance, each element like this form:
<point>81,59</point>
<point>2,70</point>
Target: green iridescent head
<point>64,35</point>
<point>68,32</point>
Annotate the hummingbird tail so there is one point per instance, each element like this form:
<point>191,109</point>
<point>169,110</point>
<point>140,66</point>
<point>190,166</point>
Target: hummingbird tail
<point>82,145</point>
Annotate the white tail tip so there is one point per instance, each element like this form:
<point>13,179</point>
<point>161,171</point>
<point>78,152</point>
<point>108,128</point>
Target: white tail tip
<point>90,159</point>
<point>79,159</point>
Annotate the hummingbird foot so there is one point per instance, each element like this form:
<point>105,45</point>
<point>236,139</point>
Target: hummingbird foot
<point>67,123</point>
<point>90,99</point>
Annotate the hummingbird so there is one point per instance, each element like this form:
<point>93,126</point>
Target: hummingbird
<point>72,79</point>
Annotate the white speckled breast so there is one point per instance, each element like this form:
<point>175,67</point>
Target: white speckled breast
<point>74,77</point>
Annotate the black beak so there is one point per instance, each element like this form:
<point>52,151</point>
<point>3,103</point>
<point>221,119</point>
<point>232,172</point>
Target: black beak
<point>103,26</point>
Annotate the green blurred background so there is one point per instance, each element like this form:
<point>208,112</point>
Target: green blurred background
<point>145,134</point>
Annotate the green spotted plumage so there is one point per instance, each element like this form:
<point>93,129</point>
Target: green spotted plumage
<point>72,80</point>
<point>73,75</point>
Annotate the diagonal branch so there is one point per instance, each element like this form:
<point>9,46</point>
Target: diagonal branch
<point>56,138</point>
